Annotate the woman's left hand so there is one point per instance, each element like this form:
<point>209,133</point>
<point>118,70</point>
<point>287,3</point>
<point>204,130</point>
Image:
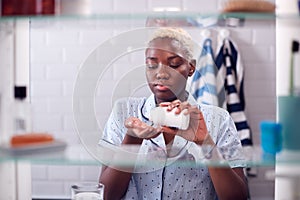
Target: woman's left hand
<point>197,130</point>
<point>139,129</point>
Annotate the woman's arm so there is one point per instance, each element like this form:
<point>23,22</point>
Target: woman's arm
<point>229,183</point>
<point>115,179</point>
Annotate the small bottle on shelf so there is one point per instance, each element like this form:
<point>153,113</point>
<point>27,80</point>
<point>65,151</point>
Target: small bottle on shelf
<point>21,112</point>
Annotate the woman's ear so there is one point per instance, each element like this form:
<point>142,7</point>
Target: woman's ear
<point>192,67</point>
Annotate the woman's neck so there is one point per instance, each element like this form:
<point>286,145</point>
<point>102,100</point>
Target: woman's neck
<point>183,97</point>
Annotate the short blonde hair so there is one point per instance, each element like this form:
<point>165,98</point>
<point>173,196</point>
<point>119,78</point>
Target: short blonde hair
<point>182,36</point>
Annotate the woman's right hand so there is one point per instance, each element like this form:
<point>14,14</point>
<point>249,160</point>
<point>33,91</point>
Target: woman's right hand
<point>197,130</point>
<point>139,129</point>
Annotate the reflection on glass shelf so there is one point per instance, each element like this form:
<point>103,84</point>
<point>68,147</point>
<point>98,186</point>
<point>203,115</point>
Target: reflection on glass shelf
<point>163,15</point>
<point>71,155</point>
<point>131,155</point>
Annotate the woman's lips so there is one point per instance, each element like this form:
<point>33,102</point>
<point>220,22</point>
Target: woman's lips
<point>161,87</point>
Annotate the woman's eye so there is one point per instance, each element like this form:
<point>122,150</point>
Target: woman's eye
<point>176,62</point>
<point>175,65</point>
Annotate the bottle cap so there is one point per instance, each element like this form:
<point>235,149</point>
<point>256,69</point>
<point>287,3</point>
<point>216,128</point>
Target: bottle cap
<point>20,92</point>
<point>295,46</point>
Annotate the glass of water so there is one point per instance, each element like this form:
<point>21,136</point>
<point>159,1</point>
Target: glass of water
<point>87,191</point>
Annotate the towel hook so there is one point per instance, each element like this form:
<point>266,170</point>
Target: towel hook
<point>205,33</point>
<point>224,33</point>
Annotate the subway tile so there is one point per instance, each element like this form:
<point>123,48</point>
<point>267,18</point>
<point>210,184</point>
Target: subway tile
<point>260,88</point>
<point>90,173</point>
<point>259,72</point>
<point>38,72</point>
<point>62,38</point>
<point>262,105</point>
<point>49,88</point>
<point>136,5</point>
<point>40,172</point>
<point>242,37</point>
<point>198,6</point>
<point>263,37</point>
<point>256,54</point>
<point>166,3</point>
<point>39,105</point>
<point>39,37</point>
<point>63,173</point>
<point>76,54</point>
<point>94,36</point>
<point>68,123</point>
<point>68,88</point>
<point>59,105</point>
<point>69,136</point>
<point>66,72</point>
<point>87,123</point>
<point>42,55</point>
<point>102,6</point>
<point>47,123</point>
<point>48,188</point>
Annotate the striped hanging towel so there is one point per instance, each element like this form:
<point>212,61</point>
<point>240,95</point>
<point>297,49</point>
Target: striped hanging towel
<point>203,85</point>
<point>230,89</point>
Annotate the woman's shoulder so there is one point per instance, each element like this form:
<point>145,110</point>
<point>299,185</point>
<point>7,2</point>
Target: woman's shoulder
<point>213,110</point>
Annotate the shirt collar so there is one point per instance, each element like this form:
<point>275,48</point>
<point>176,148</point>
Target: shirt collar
<point>148,106</point>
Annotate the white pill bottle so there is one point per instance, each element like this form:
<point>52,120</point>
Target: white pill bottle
<point>161,117</point>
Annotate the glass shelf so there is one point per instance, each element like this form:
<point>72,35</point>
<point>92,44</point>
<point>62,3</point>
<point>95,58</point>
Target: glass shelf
<point>193,16</point>
<point>72,155</point>
<point>166,15</point>
<point>129,155</point>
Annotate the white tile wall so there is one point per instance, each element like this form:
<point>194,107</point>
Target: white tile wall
<point>59,47</point>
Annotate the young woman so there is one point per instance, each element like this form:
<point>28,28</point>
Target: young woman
<point>169,63</point>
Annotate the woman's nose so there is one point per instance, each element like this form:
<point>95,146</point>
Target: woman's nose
<point>162,72</point>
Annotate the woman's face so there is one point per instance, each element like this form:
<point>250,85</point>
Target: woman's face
<point>167,70</point>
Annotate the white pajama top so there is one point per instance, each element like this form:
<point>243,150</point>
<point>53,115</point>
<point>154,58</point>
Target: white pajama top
<point>174,180</point>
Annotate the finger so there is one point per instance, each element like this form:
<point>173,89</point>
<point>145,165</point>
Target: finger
<point>186,105</point>
<point>129,122</point>
<point>183,106</point>
<point>168,105</point>
<point>133,122</point>
<point>196,114</point>
<point>176,102</point>
<point>164,104</point>
<point>175,105</point>
<point>192,110</point>
<point>171,105</point>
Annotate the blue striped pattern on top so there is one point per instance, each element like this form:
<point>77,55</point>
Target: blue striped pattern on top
<point>231,96</point>
<point>203,85</point>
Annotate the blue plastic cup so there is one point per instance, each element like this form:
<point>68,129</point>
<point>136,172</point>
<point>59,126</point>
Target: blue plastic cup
<point>271,136</point>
